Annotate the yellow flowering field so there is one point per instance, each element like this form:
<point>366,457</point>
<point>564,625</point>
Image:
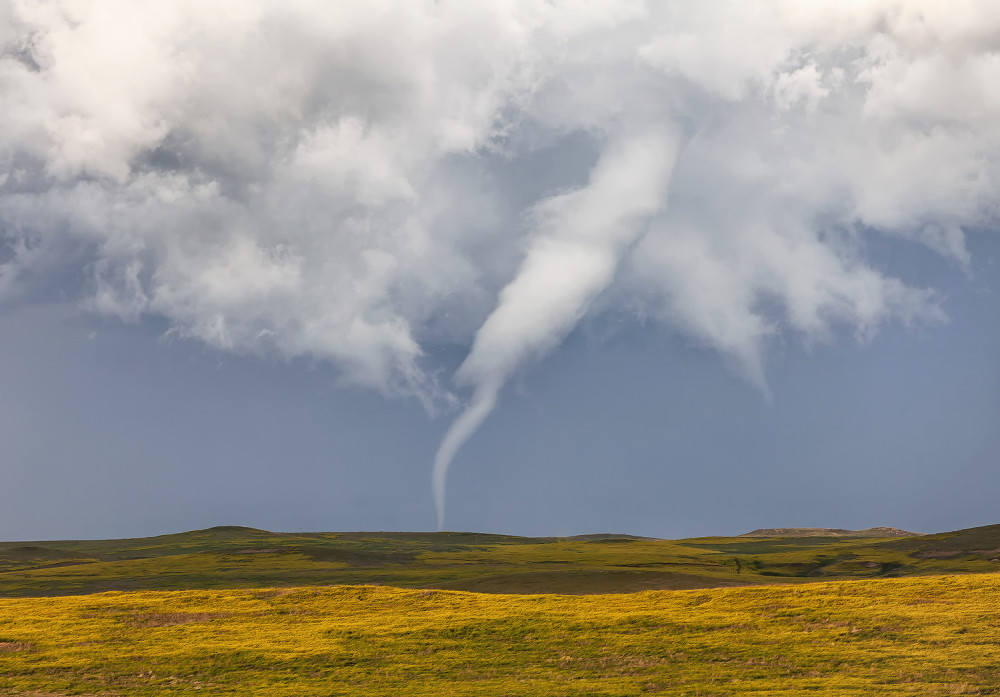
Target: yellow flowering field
<point>935,635</point>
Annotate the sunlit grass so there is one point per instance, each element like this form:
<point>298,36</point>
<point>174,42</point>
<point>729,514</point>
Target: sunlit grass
<point>924,636</point>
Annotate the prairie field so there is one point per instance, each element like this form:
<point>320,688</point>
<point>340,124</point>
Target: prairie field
<point>241,611</point>
<point>235,557</point>
<point>922,635</point>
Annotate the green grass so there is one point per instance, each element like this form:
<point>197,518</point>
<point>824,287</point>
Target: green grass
<point>913,636</point>
<point>239,611</point>
<point>234,557</point>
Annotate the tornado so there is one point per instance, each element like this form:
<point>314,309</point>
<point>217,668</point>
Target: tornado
<point>579,240</point>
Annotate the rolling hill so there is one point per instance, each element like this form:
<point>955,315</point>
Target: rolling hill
<point>240,557</point>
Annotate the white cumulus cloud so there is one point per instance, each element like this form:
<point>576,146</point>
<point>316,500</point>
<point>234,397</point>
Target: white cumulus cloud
<point>358,182</point>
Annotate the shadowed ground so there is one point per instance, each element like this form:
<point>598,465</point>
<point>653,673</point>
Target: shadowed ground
<point>237,557</point>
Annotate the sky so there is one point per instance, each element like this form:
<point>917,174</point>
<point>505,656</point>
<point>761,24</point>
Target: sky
<point>660,268</point>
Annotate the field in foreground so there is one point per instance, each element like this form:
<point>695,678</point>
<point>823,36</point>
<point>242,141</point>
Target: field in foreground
<point>937,635</point>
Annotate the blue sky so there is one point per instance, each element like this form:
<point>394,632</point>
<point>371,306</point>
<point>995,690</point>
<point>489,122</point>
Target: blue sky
<point>655,268</point>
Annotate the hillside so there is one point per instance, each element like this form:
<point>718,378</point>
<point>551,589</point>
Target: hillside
<point>238,557</point>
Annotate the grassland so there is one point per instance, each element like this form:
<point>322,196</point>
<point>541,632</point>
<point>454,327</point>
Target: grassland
<point>936,635</point>
<point>239,611</point>
<point>235,557</point>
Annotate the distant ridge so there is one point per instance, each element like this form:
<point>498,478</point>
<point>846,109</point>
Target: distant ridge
<point>829,532</point>
<point>606,536</point>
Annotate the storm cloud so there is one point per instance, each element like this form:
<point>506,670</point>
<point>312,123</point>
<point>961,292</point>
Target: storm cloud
<point>358,183</point>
